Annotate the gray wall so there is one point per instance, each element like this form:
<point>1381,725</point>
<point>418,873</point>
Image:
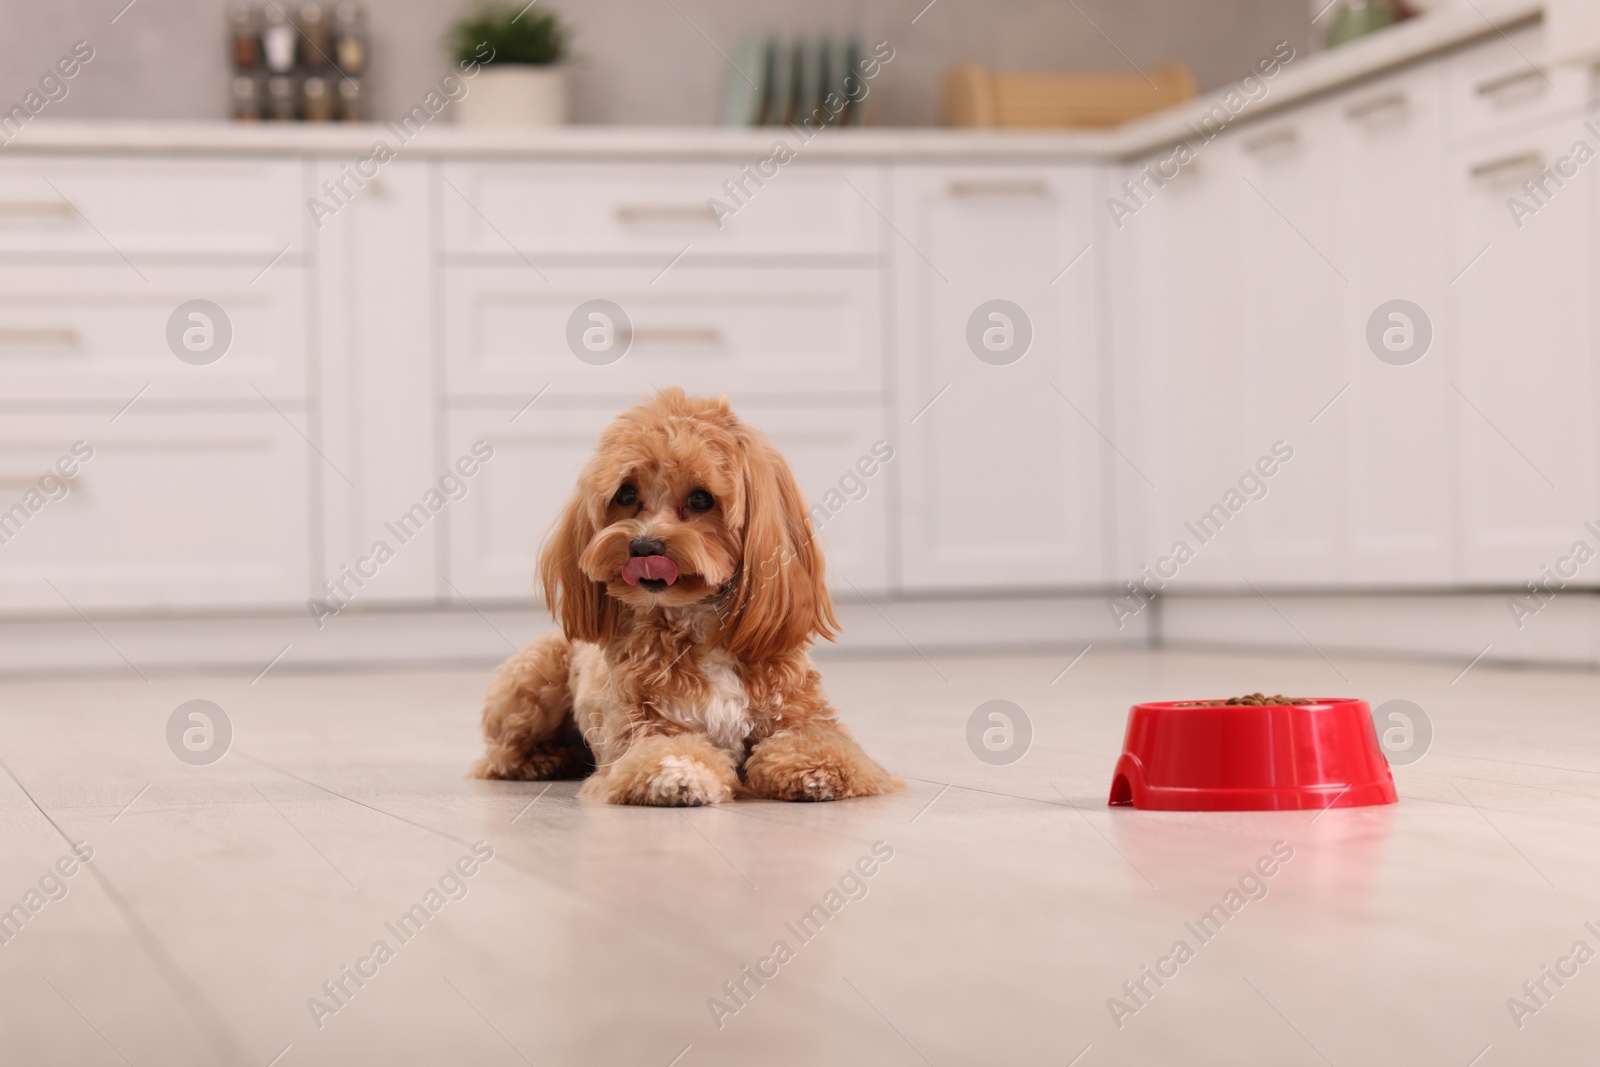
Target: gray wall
<point>642,61</point>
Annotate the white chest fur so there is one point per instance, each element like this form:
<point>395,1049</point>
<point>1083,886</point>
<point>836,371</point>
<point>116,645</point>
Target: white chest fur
<point>725,713</point>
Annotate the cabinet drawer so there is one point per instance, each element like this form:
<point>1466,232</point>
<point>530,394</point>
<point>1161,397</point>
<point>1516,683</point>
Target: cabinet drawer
<point>1002,476</point>
<point>102,332</point>
<point>1506,82</point>
<point>750,332</point>
<point>510,210</point>
<point>497,529</point>
<point>112,206</point>
<point>172,510</point>
<point>1523,372</point>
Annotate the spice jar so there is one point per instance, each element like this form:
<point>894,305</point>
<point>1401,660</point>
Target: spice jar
<point>246,96</point>
<point>316,99</point>
<point>350,39</point>
<point>316,37</point>
<point>281,98</point>
<point>278,40</point>
<point>244,36</point>
<point>353,100</point>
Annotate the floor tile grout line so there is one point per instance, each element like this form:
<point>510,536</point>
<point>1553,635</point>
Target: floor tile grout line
<point>201,1012</point>
<point>304,838</point>
<point>924,810</point>
<point>361,803</point>
<point>1484,816</point>
<point>1519,763</point>
<point>987,792</point>
<point>1085,817</point>
<point>562,889</point>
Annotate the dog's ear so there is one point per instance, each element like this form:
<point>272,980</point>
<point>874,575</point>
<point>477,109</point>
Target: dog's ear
<point>780,601</point>
<point>579,604</point>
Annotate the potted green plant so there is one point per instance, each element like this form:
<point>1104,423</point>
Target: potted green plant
<point>512,52</point>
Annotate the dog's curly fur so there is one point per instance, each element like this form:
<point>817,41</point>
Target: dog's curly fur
<point>694,691</point>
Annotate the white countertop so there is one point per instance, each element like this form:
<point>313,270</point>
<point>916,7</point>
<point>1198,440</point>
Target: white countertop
<point>1306,76</point>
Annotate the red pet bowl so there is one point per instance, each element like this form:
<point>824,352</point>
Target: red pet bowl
<point>1244,758</point>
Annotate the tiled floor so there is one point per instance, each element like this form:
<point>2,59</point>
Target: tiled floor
<point>220,898</point>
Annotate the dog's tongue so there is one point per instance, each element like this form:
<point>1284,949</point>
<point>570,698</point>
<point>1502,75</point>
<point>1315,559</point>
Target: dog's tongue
<point>658,567</point>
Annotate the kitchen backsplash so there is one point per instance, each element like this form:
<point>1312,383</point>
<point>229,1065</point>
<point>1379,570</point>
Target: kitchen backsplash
<point>647,62</point>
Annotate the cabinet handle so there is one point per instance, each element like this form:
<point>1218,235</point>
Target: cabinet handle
<point>1395,100</point>
<point>1497,86</point>
<point>1284,137</point>
<point>1531,161</point>
<point>38,335</point>
<point>648,213</point>
<point>677,335</point>
<point>33,209</point>
<point>1000,187</point>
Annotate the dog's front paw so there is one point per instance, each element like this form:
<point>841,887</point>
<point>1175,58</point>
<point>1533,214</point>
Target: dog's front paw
<point>682,771</point>
<point>683,782</point>
<point>816,763</point>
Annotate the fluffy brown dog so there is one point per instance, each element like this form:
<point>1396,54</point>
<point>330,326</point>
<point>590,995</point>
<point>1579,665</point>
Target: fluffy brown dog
<point>688,587</point>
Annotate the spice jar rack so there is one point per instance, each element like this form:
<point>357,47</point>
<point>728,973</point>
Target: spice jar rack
<point>310,67</point>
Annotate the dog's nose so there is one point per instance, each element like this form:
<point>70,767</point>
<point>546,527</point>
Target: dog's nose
<point>646,546</point>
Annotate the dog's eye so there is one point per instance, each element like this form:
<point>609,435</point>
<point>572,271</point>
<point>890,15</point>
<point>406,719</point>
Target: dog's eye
<point>700,500</point>
<point>626,496</point>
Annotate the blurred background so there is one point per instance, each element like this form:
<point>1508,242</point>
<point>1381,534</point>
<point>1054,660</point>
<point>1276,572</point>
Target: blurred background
<point>655,64</point>
<point>1258,324</point>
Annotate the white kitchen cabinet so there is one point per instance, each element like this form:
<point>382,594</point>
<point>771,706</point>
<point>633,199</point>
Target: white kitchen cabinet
<point>845,464</point>
<point>378,414</point>
<point>747,331</point>
<point>1524,386</point>
<point>1246,284</point>
<point>1001,470</point>
<point>1393,424</point>
<point>120,208</point>
<point>1293,288</point>
<point>1507,82</point>
<point>103,332</point>
<point>495,531</point>
<point>507,211</point>
<point>1180,376</point>
<point>850,298</point>
<point>174,510</point>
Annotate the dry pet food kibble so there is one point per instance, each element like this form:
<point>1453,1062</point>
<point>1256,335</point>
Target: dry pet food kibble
<point>1254,700</point>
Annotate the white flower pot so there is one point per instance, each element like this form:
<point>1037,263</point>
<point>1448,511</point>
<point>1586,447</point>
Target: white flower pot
<point>515,94</point>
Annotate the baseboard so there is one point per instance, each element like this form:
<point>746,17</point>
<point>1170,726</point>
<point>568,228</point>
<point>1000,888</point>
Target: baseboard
<point>1468,627</point>
<point>251,644</point>
<point>1464,626</point>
